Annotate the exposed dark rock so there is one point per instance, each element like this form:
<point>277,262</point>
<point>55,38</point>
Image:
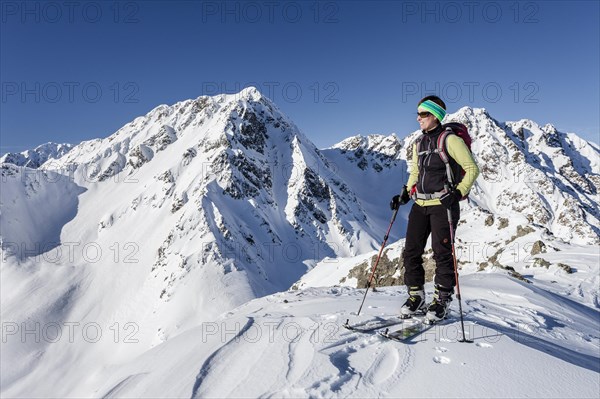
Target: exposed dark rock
<point>538,247</point>
<point>566,268</point>
<point>540,262</point>
<point>390,272</point>
<point>253,132</point>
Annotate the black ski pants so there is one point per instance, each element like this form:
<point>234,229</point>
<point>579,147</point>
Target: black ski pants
<point>422,222</point>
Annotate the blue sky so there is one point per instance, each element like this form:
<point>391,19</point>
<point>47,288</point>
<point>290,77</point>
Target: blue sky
<point>72,71</point>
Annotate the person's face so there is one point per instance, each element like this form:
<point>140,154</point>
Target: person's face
<point>426,121</point>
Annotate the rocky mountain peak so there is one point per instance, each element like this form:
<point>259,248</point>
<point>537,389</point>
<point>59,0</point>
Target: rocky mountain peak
<point>36,157</point>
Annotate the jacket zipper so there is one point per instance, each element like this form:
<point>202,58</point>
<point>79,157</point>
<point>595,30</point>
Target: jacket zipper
<point>423,165</point>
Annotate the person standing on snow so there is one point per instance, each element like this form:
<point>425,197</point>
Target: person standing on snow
<point>433,196</point>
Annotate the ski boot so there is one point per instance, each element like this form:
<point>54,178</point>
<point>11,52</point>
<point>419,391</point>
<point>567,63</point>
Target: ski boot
<point>415,302</point>
<point>440,306</point>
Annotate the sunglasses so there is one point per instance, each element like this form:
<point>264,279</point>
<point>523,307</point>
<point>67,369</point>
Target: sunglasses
<point>424,114</point>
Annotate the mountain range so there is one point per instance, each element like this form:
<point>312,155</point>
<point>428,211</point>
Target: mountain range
<point>36,157</point>
<point>195,209</point>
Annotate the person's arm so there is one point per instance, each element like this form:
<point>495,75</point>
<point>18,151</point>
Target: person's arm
<point>459,151</point>
<point>414,169</point>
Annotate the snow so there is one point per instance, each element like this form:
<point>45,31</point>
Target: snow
<point>177,238</point>
<point>31,195</point>
<point>37,156</point>
<point>528,342</point>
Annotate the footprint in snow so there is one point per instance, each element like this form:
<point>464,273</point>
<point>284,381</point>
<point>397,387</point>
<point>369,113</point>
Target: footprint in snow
<point>484,345</point>
<point>440,349</point>
<point>384,366</point>
<point>441,360</point>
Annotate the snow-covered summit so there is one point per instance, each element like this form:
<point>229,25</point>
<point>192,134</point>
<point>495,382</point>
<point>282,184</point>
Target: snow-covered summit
<point>36,157</point>
<point>375,150</point>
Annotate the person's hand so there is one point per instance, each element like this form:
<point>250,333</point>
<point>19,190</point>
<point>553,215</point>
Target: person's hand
<point>400,199</point>
<point>404,197</point>
<point>395,202</point>
<point>450,198</point>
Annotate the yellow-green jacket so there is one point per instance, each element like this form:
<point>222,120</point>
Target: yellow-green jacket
<point>428,174</point>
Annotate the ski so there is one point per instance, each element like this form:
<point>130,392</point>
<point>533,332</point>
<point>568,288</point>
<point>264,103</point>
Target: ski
<point>410,331</point>
<point>372,325</point>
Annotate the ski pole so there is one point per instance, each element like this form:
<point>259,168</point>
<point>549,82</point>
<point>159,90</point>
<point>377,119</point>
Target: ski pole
<point>462,324</point>
<point>377,261</point>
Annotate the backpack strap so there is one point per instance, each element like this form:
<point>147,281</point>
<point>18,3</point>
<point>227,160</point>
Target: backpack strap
<point>441,144</point>
<point>419,153</point>
<point>426,152</point>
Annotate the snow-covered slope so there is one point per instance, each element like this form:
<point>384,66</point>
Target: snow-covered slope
<point>375,168</point>
<point>528,342</point>
<point>36,157</point>
<point>35,205</point>
<point>116,255</point>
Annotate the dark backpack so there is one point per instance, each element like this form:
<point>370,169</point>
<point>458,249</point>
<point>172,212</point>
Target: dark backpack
<point>461,131</point>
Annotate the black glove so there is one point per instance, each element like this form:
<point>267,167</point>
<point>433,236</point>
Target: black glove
<point>400,199</point>
<point>450,198</point>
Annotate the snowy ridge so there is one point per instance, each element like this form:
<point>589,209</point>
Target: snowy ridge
<point>375,151</point>
<point>36,157</point>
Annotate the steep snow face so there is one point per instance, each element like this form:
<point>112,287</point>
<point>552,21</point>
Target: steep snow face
<point>35,205</point>
<point>35,158</point>
<point>375,168</point>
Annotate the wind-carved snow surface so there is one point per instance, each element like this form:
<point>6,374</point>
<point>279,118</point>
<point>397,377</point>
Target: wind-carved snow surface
<point>131,265</point>
<point>527,343</point>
